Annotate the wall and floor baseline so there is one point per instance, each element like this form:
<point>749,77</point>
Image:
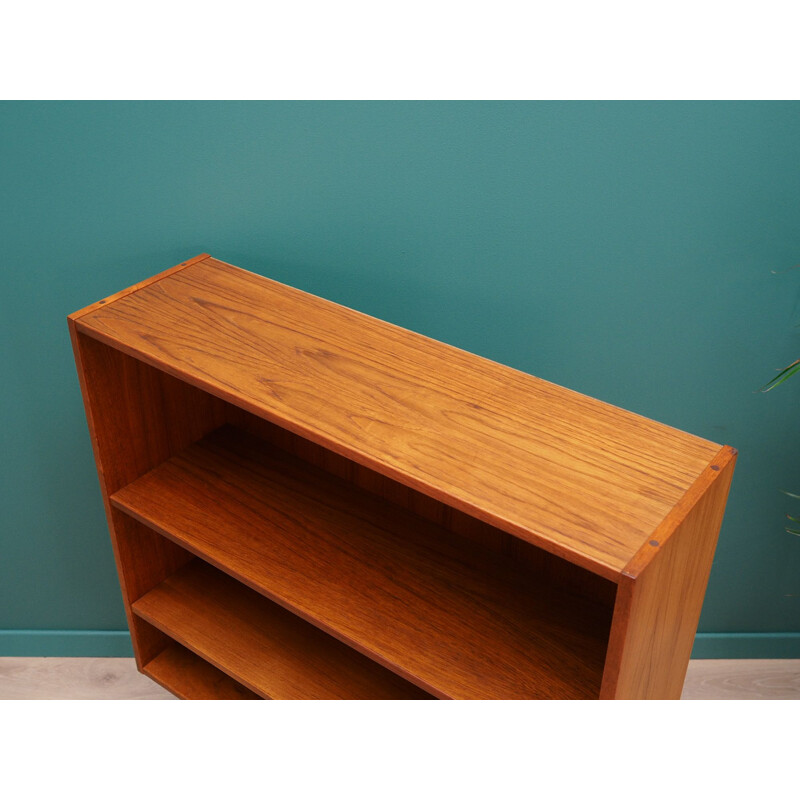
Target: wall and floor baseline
<point>117,644</point>
<point>118,679</point>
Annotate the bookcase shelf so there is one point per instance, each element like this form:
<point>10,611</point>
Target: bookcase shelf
<point>390,584</point>
<point>192,678</point>
<point>270,651</point>
<point>306,502</point>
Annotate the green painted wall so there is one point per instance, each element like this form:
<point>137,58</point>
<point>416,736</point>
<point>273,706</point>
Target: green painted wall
<point>621,249</point>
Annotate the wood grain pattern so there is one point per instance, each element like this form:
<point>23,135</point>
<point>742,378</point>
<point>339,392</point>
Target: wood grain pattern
<point>450,616</point>
<point>575,476</point>
<point>742,679</point>
<point>263,646</point>
<point>146,560</point>
<point>137,417</point>
<point>660,598</point>
<point>539,565</point>
<point>135,288</point>
<point>76,679</point>
<point>189,677</point>
<point>466,525</point>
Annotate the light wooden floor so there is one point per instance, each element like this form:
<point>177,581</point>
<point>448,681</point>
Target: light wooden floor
<point>118,679</point>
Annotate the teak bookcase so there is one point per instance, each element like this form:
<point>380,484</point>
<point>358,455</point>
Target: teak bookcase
<point>306,502</point>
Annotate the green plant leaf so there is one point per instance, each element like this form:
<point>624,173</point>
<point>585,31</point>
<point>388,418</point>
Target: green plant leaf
<point>783,375</point>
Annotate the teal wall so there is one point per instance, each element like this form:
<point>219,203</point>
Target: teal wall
<point>621,249</point>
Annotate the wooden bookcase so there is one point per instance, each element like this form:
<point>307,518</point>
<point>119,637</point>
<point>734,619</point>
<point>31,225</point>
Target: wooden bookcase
<point>307,502</point>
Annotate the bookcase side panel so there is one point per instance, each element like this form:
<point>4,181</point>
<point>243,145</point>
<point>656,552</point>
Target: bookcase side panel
<point>146,559</point>
<point>137,417</point>
<point>658,608</point>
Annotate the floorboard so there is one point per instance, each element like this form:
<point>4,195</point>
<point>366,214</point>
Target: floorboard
<point>742,679</point>
<point>76,679</point>
<point>118,679</point>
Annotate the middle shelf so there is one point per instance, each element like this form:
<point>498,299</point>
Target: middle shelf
<point>439,610</point>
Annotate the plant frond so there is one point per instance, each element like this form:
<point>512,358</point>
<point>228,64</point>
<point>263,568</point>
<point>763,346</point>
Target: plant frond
<point>783,375</point>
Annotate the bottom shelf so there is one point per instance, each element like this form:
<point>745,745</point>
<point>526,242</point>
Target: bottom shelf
<point>190,677</point>
<point>264,647</point>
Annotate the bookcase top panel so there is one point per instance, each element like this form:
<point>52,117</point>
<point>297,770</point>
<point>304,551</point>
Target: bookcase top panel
<point>583,479</point>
